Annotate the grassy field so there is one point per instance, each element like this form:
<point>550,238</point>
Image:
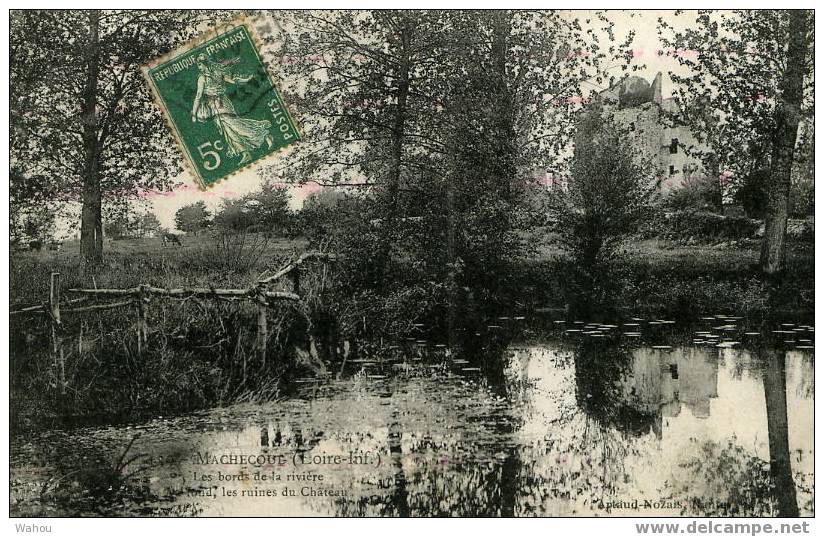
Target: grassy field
<point>657,276</point>
<point>203,260</point>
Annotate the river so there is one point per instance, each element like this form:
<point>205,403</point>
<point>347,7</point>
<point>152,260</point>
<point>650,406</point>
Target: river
<point>564,423</point>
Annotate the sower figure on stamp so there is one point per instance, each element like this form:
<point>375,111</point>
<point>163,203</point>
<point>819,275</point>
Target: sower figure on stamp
<point>242,135</point>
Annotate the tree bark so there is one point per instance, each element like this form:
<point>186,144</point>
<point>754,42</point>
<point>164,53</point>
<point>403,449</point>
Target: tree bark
<point>396,162</point>
<point>504,117</point>
<point>91,223</point>
<point>787,116</point>
<point>452,264</point>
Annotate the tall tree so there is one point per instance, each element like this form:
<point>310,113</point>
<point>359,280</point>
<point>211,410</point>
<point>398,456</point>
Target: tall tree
<point>365,96</point>
<point>785,135</point>
<point>86,125</point>
<point>515,81</point>
<point>748,84</point>
<point>193,217</point>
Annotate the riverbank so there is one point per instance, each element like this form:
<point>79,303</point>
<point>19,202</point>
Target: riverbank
<point>200,352</point>
<point>658,277</point>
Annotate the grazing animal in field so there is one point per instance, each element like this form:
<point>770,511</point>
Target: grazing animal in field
<point>36,245</point>
<point>170,238</point>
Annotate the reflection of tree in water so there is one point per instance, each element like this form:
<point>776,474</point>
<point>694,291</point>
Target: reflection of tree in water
<point>470,468</point>
<point>503,476</point>
<point>775,396</point>
<point>600,368</point>
<point>399,497</point>
<point>740,483</point>
<point>724,480</point>
<point>604,424</point>
<point>493,358</point>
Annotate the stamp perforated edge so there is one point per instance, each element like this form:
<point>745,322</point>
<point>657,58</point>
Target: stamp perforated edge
<point>188,165</point>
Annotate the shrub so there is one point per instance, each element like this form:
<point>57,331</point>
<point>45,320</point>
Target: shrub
<point>802,198</point>
<point>703,194</point>
<point>608,193</point>
<point>608,196</point>
<point>752,195</point>
<point>706,226</point>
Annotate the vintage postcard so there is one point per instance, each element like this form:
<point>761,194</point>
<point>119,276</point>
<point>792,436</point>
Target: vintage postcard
<point>413,263</point>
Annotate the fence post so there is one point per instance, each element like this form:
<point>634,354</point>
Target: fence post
<point>57,347</point>
<point>142,326</point>
<point>262,331</point>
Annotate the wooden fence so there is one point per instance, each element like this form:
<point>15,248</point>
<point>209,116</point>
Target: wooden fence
<point>140,295</point>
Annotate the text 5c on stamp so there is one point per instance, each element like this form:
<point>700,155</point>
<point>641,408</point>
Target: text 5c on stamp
<point>223,106</point>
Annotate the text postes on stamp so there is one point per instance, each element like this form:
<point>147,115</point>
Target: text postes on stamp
<point>222,104</point>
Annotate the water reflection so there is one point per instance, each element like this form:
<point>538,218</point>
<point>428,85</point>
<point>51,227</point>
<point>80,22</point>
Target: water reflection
<point>572,427</point>
<point>775,396</point>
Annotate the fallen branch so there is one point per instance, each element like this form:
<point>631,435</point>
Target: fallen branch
<point>100,307</point>
<point>306,256</point>
<point>42,308</point>
<point>250,293</point>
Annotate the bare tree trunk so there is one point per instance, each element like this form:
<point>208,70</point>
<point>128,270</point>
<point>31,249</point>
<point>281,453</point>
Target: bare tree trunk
<point>91,223</point>
<point>788,113</point>
<point>504,120</point>
<point>452,263</point>
<point>396,163</point>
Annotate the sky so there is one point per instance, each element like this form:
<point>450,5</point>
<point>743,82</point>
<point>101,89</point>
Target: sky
<point>645,52</point>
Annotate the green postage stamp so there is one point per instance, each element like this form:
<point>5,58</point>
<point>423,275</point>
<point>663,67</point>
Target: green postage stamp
<point>221,103</point>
